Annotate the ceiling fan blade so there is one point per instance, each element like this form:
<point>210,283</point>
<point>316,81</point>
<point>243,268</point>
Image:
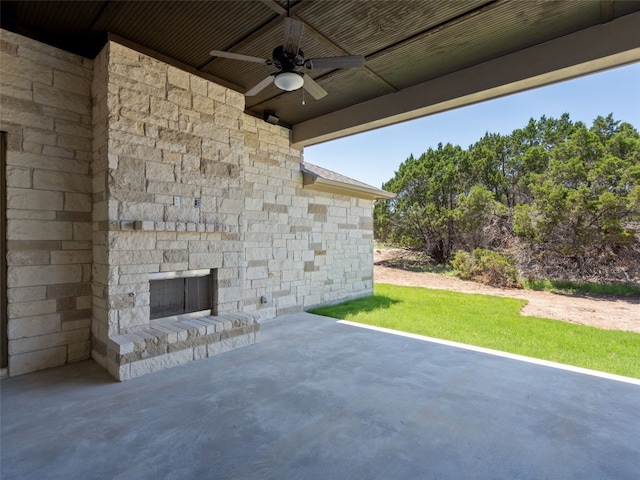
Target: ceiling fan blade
<point>239,56</point>
<point>348,61</point>
<point>314,89</point>
<point>256,89</point>
<point>292,35</point>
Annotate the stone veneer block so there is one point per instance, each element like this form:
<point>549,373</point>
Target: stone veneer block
<point>37,360</point>
<point>144,225</point>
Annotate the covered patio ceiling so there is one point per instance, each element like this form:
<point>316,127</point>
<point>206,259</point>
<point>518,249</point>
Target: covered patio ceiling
<point>422,56</point>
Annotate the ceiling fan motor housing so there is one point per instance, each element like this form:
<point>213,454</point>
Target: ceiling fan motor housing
<point>286,62</point>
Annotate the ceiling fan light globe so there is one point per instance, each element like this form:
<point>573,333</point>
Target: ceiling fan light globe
<point>289,81</point>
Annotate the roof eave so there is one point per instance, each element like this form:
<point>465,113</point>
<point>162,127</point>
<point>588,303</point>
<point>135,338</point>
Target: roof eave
<point>312,181</point>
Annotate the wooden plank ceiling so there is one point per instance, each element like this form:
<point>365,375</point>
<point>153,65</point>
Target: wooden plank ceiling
<point>405,43</point>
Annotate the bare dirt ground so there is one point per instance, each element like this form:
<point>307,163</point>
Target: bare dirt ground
<point>607,312</point>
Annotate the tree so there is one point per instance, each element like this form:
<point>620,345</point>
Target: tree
<point>482,221</point>
<point>488,164</point>
<point>505,163</point>
<point>568,192</point>
<point>581,203</point>
<point>422,214</point>
<point>432,210</point>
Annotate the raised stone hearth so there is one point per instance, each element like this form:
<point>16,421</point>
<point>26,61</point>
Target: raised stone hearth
<point>169,343</point>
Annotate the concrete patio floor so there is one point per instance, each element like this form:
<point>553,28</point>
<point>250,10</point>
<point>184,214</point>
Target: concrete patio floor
<point>316,399</point>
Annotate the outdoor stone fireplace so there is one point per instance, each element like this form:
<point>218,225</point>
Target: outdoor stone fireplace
<point>175,294</point>
<point>169,200</point>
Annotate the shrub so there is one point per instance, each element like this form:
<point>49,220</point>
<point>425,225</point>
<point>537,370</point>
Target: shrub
<point>463,265</point>
<point>485,266</point>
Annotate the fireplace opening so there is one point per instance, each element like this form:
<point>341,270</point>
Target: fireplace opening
<point>177,293</point>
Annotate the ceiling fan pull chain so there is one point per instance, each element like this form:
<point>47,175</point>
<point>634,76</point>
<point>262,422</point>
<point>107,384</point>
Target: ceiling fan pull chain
<point>303,102</point>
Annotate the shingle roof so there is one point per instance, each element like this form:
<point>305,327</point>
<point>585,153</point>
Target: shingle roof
<point>318,178</point>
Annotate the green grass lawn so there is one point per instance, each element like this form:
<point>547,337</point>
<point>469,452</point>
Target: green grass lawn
<point>492,322</point>
<point>623,290</point>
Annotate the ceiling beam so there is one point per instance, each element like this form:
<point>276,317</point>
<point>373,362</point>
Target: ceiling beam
<point>607,10</point>
<point>275,7</point>
<point>340,51</point>
<point>590,50</point>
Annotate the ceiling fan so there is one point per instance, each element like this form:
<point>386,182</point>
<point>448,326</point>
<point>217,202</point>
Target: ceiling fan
<point>290,62</point>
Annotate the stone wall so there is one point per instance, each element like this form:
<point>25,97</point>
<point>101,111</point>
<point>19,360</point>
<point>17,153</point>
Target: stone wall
<point>106,162</point>
<point>46,112</point>
<point>303,247</point>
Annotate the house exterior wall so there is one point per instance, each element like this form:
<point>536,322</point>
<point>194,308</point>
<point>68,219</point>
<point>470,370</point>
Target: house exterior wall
<point>146,133</point>
<point>303,248</point>
<point>46,112</point>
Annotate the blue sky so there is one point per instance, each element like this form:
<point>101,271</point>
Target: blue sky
<point>373,157</point>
